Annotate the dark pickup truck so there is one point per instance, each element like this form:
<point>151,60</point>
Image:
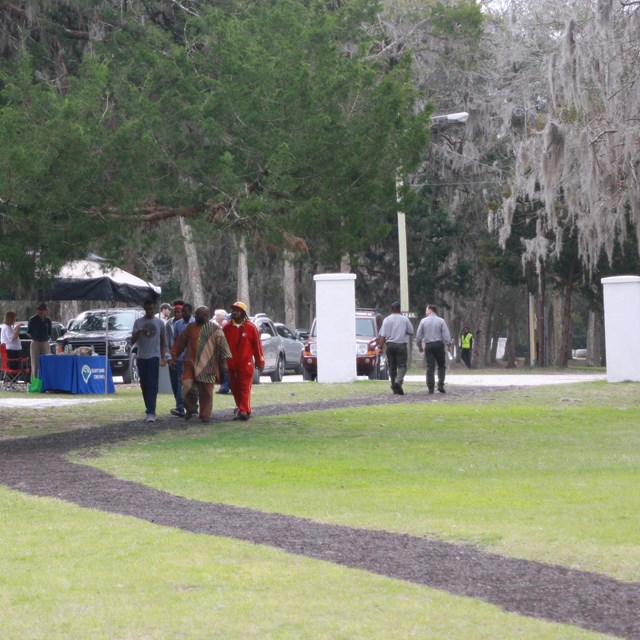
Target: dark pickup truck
<point>89,330</point>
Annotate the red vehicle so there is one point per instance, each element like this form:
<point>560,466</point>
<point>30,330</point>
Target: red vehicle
<point>370,361</point>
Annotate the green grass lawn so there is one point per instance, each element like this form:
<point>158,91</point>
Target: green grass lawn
<point>547,473</point>
<point>69,573</point>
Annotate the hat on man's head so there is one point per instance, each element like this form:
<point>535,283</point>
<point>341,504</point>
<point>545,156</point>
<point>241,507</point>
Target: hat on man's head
<point>41,306</point>
<point>240,305</point>
<point>395,305</point>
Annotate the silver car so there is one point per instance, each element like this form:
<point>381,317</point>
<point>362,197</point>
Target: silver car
<point>293,347</point>
<point>274,354</point>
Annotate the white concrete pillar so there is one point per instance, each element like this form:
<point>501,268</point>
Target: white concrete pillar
<point>336,326</point>
<point>621,327</point>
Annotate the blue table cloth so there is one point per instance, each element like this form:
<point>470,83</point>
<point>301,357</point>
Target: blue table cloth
<point>75,374</point>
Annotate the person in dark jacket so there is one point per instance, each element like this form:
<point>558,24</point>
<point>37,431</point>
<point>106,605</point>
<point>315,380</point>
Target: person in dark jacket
<point>39,330</point>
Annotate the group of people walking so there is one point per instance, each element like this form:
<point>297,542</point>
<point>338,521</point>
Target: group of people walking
<point>199,352</point>
<point>433,339</point>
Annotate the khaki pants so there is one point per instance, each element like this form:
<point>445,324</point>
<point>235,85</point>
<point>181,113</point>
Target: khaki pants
<point>196,393</point>
<point>36,350</point>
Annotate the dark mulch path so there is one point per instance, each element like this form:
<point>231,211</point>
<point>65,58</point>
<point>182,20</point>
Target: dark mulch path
<point>36,466</point>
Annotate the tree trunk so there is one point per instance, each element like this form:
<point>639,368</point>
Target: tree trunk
<point>565,342</point>
<point>553,326</point>
<point>290,292</point>
<point>512,330</point>
<point>191,280</point>
<point>541,337</point>
<point>493,351</point>
<point>243,272</point>
<point>482,332</point>
<point>595,340</point>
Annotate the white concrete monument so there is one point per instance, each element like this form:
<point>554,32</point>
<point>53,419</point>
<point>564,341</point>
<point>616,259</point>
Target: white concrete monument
<point>621,322</point>
<point>336,326</point>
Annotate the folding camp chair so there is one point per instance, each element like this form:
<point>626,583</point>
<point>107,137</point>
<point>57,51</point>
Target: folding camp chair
<point>15,372</point>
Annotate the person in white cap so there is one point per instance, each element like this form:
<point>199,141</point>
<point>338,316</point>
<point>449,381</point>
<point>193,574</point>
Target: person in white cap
<point>246,352</point>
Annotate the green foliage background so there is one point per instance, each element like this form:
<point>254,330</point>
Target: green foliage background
<point>272,117</point>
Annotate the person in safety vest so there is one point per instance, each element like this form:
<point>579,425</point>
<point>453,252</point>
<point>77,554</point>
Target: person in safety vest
<point>246,352</point>
<point>466,344</point>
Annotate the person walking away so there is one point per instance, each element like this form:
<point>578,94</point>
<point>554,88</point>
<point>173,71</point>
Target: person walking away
<point>206,354</point>
<point>178,363</point>
<point>148,334</point>
<point>169,339</point>
<point>246,352</point>
<point>395,334</point>
<point>432,337</point>
<point>39,330</point>
<point>10,336</point>
<point>221,318</point>
<point>466,345</point>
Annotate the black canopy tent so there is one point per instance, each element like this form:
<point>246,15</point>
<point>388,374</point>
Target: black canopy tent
<point>94,279</point>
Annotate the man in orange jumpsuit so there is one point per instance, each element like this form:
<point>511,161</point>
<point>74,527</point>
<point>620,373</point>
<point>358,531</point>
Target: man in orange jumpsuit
<point>206,356</point>
<point>246,349</point>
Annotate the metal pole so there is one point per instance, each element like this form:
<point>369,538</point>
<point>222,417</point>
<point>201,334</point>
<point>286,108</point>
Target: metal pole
<point>450,118</point>
<point>532,330</point>
<point>404,267</point>
<point>106,351</point>
<point>402,253</point>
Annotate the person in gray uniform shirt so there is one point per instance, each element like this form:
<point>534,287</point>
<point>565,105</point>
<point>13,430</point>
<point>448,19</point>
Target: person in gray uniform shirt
<point>395,332</point>
<point>432,338</point>
<point>149,335</point>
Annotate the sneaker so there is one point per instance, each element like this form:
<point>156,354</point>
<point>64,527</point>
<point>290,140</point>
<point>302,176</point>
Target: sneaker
<point>399,390</point>
<point>223,391</point>
<point>178,413</point>
<point>441,388</point>
<point>188,414</point>
<point>431,391</point>
<point>150,417</point>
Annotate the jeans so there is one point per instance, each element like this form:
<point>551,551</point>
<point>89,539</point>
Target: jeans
<point>175,373</point>
<point>224,383</point>
<point>149,371</point>
<point>434,353</point>
<point>397,361</point>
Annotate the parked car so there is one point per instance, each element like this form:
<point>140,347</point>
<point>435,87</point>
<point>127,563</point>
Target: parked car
<point>370,360</point>
<point>274,353</point>
<point>57,330</point>
<point>293,347</point>
<point>89,330</point>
